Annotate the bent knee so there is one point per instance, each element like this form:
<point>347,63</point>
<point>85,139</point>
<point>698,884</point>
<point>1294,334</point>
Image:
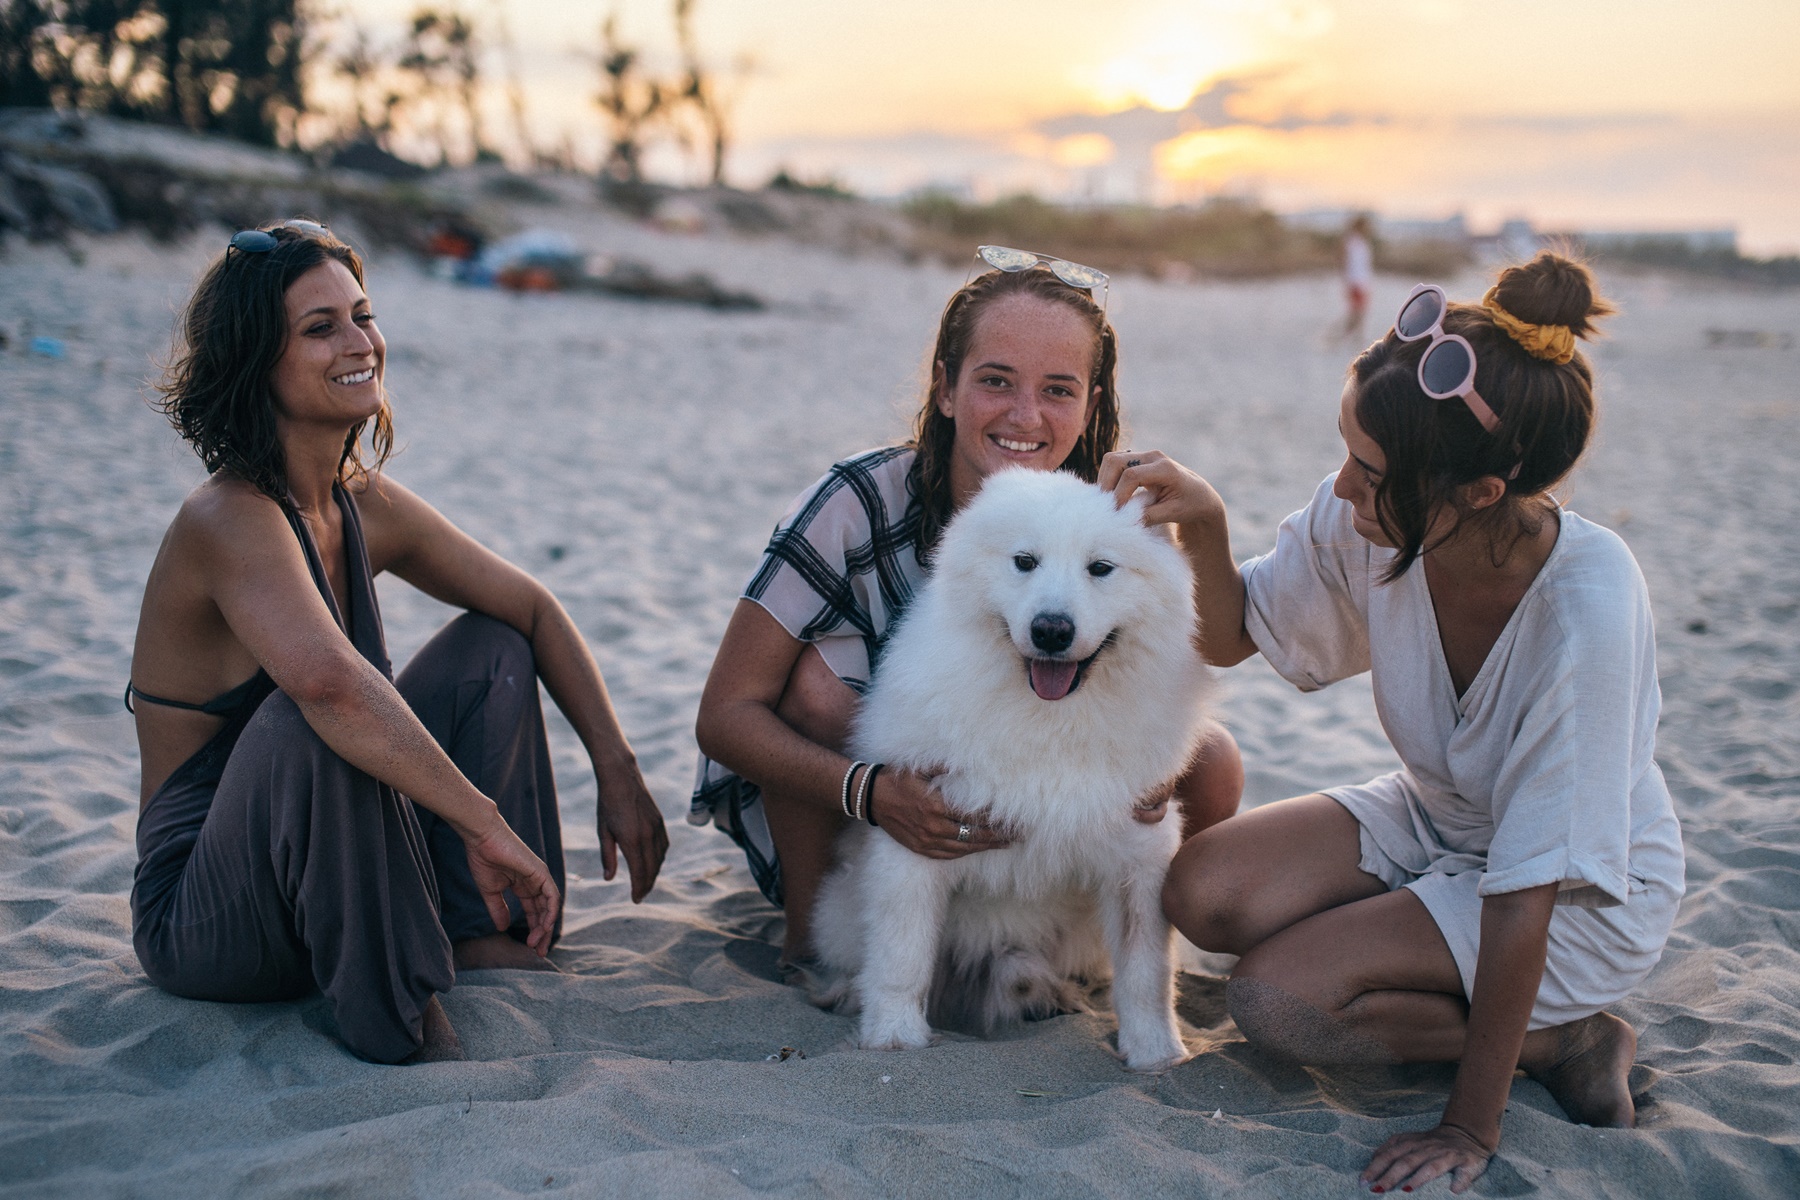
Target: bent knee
<point>1204,898</point>
<point>1282,1021</point>
<point>278,727</point>
<point>1213,786</point>
<point>280,754</point>
<point>1216,743</point>
<point>816,704</point>
<point>480,636</point>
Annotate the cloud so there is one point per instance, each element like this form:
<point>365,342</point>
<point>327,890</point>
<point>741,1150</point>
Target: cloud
<point>1097,155</point>
<point>1570,123</point>
<point>1580,170</point>
<point>1138,130</point>
<point>1142,136</point>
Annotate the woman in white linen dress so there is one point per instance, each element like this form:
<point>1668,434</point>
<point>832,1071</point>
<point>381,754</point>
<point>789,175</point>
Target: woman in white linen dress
<point>1485,903</point>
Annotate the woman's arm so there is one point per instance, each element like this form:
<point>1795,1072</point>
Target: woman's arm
<point>1515,932</point>
<point>262,587</point>
<point>1181,498</point>
<point>739,727</point>
<point>421,546</point>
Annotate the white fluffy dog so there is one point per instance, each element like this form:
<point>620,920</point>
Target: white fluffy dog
<point>1048,671</point>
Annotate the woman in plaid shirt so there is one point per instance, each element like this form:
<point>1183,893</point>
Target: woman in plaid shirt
<point>1023,375</point>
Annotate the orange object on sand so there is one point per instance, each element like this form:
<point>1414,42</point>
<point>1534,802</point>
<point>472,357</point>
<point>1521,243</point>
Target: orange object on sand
<point>528,279</point>
<point>446,243</point>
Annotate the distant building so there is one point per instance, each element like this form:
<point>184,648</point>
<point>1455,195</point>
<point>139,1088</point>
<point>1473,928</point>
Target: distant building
<point>1517,239</point>
<point>1452,229</point>
<point>1690,241</point>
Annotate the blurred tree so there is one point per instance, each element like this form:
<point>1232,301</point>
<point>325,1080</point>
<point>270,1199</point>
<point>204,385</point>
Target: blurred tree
<point>372,101</point>
<point>415,98</point>
<point>708,102</point>
<point>691,104</point>
<point>229,66</point>
<point>630,101</point>
<point>515,89</point>
<point>21,25</point>
<point>441,61</point>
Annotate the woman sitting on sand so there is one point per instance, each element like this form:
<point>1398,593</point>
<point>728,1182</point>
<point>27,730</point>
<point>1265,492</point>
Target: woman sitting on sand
<point>1023,374</point>
<point>1485,903</point>
<point>278,848</point>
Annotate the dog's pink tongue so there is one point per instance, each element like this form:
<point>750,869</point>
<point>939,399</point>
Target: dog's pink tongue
<point>1052,678</point>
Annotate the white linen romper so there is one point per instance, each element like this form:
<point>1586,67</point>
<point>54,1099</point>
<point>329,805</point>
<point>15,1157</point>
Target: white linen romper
<point>1543,771</point>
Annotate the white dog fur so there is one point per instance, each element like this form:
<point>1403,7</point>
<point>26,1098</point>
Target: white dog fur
<point>986,940</point>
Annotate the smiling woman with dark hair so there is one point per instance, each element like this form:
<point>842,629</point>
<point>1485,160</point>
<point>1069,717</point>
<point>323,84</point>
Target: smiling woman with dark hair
<point>309,821</point>
<point>1023,373</point>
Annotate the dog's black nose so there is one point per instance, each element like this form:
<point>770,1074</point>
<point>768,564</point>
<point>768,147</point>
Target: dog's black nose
<point>1052,632</point>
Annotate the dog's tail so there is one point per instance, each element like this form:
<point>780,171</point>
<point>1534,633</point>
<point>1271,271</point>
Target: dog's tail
<point>989,994</point>
<point>828,987</point>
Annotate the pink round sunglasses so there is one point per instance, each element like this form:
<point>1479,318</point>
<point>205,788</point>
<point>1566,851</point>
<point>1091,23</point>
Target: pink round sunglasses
<point>1447,368</point>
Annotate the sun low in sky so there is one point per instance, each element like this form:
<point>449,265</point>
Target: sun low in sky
<point>1585,114</point>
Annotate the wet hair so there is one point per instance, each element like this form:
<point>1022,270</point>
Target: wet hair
<point>934,434</point>
<point>235,329</point>
<point>1434,447</point>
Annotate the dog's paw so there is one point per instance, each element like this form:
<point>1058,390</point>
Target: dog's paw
<point>1152,1056</point>
<point>1156,1066</point>
<point>894,1031</point>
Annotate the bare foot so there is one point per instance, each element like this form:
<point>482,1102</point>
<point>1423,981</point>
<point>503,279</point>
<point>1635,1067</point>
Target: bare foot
<point>441,1043</point>
<point>1586,1067</point>
<point>498,952</point>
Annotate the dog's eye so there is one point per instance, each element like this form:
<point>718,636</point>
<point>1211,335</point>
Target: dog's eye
<point>1100,568</point>
<point>1025,562</point>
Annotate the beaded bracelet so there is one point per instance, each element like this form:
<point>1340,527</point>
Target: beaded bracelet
<point>862,793</point>
<point>865,800</point>
<point>844,796</point>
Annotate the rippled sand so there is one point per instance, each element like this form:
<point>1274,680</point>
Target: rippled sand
<point>635,457</point>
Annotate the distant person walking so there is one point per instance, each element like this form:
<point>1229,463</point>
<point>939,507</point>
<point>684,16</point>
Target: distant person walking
<point>1359,276</point>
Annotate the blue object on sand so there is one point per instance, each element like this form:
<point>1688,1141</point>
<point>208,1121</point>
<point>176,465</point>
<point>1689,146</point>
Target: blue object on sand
<point>49,347</point>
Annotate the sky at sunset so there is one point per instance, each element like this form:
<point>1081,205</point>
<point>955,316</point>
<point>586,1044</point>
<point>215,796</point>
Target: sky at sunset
<point>1581,114</point>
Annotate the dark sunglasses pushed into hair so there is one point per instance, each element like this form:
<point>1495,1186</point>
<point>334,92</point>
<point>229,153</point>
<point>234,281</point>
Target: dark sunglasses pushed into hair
<point>261,241</point>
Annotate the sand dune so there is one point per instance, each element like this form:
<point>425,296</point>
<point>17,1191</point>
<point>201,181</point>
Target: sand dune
<point>635,457</point>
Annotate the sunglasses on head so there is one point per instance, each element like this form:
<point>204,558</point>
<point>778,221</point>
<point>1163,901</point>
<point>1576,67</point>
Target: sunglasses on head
<point>1447,368</point>
<point>261,241</point>
<point>1005,258</point>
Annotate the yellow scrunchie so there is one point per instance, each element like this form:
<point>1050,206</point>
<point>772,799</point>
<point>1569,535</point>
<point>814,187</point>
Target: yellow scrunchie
<point>1552,343</point>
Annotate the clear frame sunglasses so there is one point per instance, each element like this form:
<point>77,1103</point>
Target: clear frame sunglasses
<point>1005,258</point>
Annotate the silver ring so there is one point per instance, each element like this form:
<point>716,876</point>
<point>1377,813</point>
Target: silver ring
<point>962,832</point>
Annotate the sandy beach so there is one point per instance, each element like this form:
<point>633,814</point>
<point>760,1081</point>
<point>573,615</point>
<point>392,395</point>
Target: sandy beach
<point>635,457</point>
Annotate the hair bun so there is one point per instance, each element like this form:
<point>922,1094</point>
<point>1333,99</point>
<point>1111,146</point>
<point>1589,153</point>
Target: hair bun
<point>1553,290</point>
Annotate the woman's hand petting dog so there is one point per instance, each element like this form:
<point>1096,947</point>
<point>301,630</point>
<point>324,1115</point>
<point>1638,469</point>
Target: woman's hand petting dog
<point>913,813</point>
<point>1177,496</point>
